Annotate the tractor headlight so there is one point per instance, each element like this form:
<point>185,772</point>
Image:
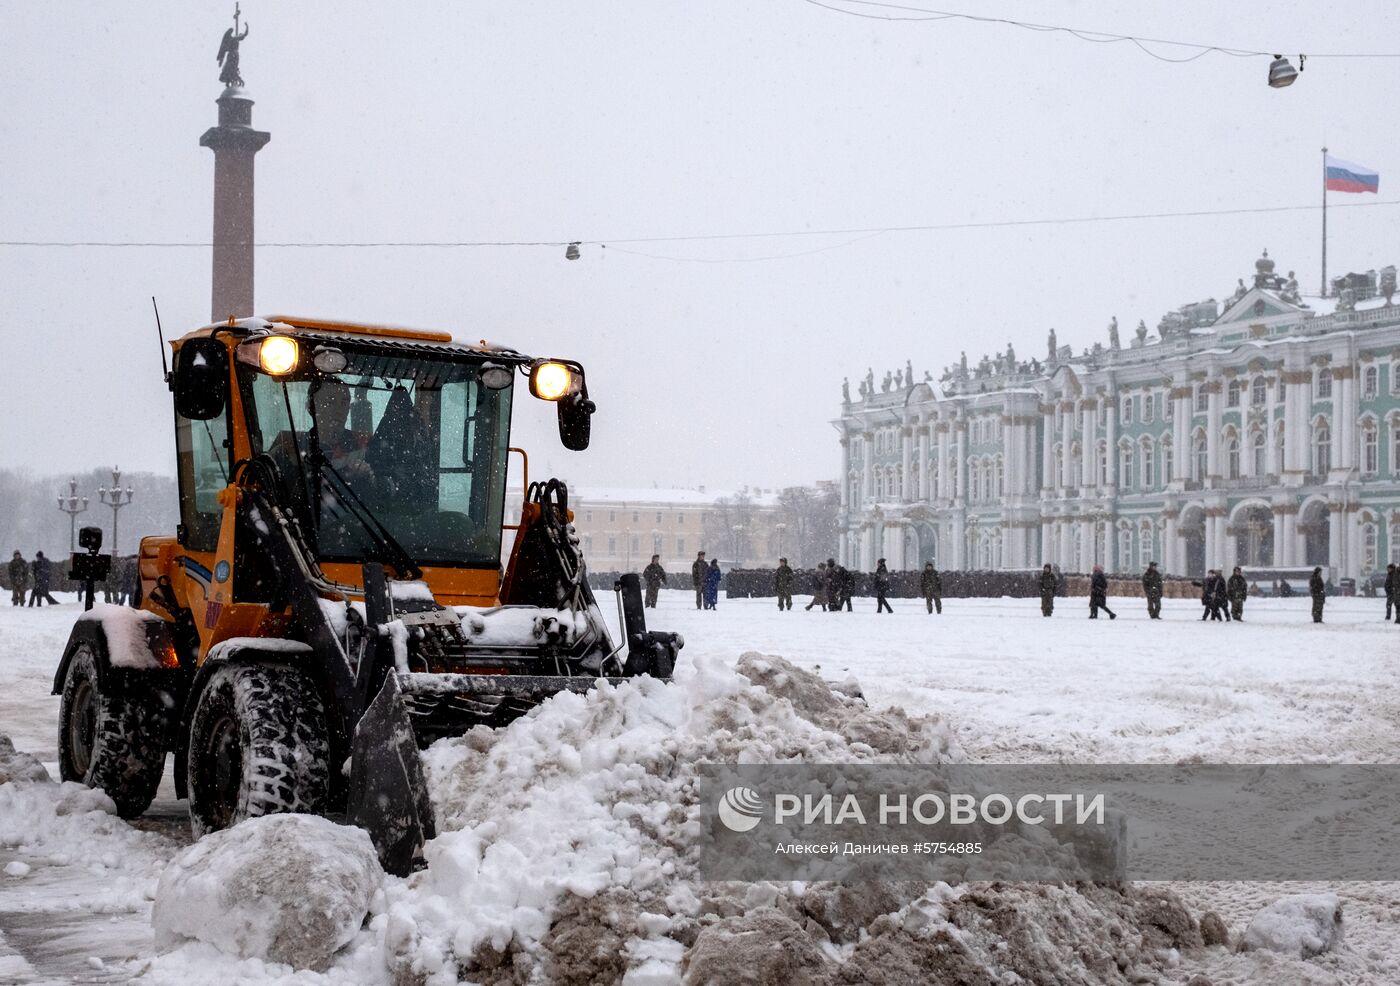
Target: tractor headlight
<point>550,381</point>
<point>278,355</point>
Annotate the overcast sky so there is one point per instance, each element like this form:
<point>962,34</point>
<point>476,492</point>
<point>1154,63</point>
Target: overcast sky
<point>715,362</point>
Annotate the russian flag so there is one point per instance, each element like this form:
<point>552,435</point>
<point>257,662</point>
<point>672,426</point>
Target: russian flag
<point>1343,176</point>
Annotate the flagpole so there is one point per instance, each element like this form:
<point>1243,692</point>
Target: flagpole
<point>1324,222</point>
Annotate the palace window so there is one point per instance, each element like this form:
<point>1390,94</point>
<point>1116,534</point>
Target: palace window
<point>1322,449</point>
<point>1149,408</point>
<point>1370,451</point>
<point>1145,545</point>
<point>680,546</point>
<point>1324,383</point>
<point>1125,465</point>
<point>1393,541</point>
<point>612,516</point>
<point>1260,453</point>
<point>1232,394</point>
<point>1395,447</point>
<point>1166,459</point>
<point>1370,381</point>
<point>1199,459</point>
<point>1259,392</point>
<point>1127,410</point>
<point>1232,459</point>
<point>1125,548</point>
<point>1395,378</point>
<point>612,546</point>
<point>1145,465</point>
<point>1202,399</point>
<point>1368,548</point>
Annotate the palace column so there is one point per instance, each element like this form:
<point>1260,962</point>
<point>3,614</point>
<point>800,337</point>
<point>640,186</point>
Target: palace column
<point>1066,444</point>
<point>867,468</point>
<point>959,536</point>
<point>961,464</point>
<point>1344,414</point>
<point>906,460</point>
<point>945,477</point>
<point>925,493</point>
<point>1047,446</point>
<point>1088,411</point>
<point>1212,386</point>
<point>1180,396</point>
<point>1271,463</point>
<point>1169,541</point>
<point>1110,439</point>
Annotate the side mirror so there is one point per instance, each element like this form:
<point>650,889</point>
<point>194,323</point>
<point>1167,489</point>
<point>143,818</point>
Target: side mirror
<point>575,421</point>
<point>201,379</point>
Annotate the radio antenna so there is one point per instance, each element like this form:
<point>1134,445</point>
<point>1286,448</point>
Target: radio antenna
<point>160,334</point>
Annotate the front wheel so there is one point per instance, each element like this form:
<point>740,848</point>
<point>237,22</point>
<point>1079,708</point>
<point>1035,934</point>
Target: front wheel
<point>258,745</point>
<point>113,740</point>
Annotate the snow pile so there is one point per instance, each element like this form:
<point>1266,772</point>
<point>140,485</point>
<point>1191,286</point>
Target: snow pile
<point>290,889</point>
<point>569,841</point>
<point>18,767</point>
<point>577,827</point>
<point>47,824</point>
<point>1303,925</point>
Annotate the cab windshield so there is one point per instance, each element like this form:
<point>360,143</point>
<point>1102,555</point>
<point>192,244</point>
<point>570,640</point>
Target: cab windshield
<point>415,446</point>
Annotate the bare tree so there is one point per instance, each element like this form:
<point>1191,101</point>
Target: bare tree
<point>729,527</point>
<point>810,516</point>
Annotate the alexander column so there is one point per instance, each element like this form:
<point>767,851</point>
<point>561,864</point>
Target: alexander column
<point>234,142</point>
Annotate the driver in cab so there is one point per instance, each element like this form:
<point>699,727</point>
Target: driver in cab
<point>343,449</point>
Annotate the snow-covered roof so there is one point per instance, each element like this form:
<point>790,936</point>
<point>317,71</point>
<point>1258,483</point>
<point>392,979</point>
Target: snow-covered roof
<point>636,496</point>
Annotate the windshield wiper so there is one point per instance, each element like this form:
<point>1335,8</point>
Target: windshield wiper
<point>392,552</point>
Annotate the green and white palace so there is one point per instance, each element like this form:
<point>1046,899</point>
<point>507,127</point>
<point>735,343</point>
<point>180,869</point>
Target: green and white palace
<point>1261,431</point>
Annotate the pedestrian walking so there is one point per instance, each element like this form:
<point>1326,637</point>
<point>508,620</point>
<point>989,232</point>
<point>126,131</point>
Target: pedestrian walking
<point>932,585</point>
<point>655,577</point>
<point>712,577</point>
<point>1152,589</point>
<point>41,571</point>
<point>1392,587</point>
<point>1047,591</point>
<point>1236,591</point>
<point>782,584</point>
<point>819,593</point>
<point>882,587</point>
<point>1098,594</point>
<point>131,582</point>
<point>19,578</point>
<point>698,570</point>
<point>848,586</point>
<point>1318,590</point>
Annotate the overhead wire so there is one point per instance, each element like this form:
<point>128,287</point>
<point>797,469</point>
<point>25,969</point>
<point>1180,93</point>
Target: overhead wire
<point>859,232</point>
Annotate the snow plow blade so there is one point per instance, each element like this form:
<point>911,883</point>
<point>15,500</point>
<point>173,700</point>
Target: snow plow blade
<point>388,795</point>
<point>536,686</point>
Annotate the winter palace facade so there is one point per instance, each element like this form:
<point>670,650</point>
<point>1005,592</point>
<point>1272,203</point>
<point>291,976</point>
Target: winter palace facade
<point>1261,431</point>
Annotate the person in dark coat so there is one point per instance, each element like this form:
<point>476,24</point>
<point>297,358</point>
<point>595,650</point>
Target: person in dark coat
<point>932,585</point>
<point>19,579</point>
<point>41,570</point>
<point>698,569</point>
<point>819,593</point>
<point>782,584</point>
<point>1236,591</point>
<point>1152,589</point>
<point>848,585</point>
<point>1318,590</point>
<point>655,577</point>
<point>1392,592</point>
<point>1098,595</point>
<point>834,586</point>
<point>1212,596</point>
<point>1048,584</point>
<point>712,577</point>
<point>131,582</point>
<point>882,587</point>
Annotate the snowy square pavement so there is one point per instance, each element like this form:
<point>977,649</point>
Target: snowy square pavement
<point>1015,686</point>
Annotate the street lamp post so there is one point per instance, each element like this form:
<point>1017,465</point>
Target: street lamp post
<point>116,498</point>
<point>72,505</point>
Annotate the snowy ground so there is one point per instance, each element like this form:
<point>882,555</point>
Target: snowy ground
<point>1013,686</point>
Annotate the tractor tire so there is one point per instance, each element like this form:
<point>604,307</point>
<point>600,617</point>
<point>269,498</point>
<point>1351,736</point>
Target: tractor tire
<point>258,745</point>
<point>115,742</point>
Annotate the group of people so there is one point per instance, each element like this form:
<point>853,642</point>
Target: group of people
<point>1222,596</point>
<point>34,576</point>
